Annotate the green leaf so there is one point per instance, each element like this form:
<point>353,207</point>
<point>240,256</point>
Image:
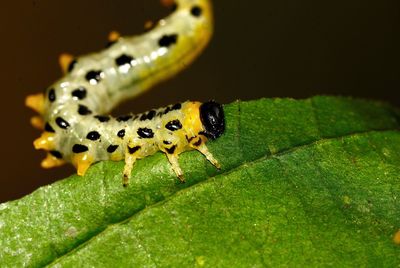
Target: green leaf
<point>311,182</point>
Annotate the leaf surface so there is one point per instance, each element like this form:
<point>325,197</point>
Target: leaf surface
<point>303,182</point>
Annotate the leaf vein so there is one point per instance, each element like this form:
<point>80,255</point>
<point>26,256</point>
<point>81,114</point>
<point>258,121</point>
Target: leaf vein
<point>253,162</point>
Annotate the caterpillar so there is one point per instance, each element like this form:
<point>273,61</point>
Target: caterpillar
<point>73,112</point>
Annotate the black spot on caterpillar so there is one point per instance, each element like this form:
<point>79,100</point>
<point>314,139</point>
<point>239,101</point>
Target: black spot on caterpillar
<point>71,114</point>
<point>79,93</point>
<point>93,135</point>
<point>102,118</point>
<point>173,125</point>
<point>145,133</point>
<point>112,148</point>
<point>121,133</point>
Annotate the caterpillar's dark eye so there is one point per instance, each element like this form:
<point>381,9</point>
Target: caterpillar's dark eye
<point>212,118</point>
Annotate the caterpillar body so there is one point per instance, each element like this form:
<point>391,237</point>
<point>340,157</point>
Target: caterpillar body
<point>73,110</point>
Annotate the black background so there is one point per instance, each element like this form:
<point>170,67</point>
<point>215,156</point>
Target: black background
<point>282,48</point>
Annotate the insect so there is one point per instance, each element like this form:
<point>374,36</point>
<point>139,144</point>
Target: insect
<point>73,111</point>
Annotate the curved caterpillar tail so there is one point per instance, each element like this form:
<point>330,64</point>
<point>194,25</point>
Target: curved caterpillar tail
<point>72,109</point>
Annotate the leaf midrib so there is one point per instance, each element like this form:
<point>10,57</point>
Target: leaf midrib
<point>227,172</point>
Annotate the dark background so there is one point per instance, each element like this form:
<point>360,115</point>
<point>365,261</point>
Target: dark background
<point>281,48</point>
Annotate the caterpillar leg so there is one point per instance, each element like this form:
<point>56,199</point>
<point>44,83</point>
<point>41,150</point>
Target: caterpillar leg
<point>202,148</point>
<point>82,162</point>
<point>35,102</point>
<point>130,159</point>
<point>173,159</point>
<point>65,60</point>
<point>51,161</point>
<point>37,122</point>
<point>45,142</point>
<point>129,162</point>
<point>113,36</point>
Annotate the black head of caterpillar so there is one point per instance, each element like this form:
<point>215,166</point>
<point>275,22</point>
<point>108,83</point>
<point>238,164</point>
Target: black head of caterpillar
<point>212,118</point>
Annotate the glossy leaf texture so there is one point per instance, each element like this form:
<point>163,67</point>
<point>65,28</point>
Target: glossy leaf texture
<point>312,182</point>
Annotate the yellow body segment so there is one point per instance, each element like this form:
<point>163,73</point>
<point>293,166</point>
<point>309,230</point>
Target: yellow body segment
<point>192,119</point>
